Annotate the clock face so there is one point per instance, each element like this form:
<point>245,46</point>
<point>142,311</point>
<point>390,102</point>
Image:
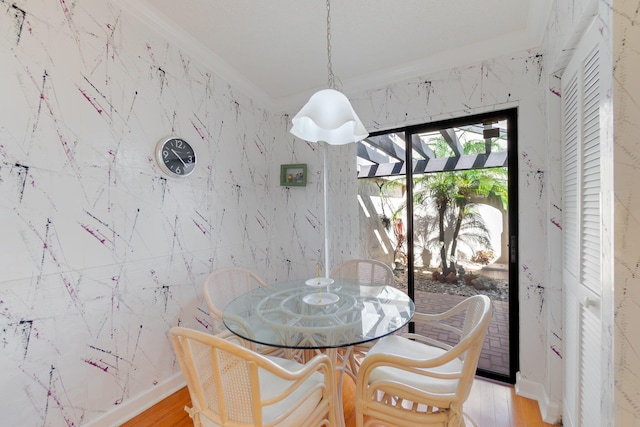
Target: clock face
<point>176,157</point>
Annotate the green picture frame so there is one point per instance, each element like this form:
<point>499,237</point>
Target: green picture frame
<point>294,175</point>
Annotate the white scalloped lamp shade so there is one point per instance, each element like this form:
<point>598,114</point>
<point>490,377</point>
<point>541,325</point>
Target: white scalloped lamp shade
<point>328,117</point>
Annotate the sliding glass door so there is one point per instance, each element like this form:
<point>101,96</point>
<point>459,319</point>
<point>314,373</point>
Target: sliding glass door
<point>446,224</point>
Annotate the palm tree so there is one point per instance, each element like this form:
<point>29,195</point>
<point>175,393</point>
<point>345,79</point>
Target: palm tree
<point>455,197</point>
<point>466,189</point>
<point>476,186</point>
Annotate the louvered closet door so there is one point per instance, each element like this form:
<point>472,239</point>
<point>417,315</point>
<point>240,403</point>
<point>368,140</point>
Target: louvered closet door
<point>582,281</point>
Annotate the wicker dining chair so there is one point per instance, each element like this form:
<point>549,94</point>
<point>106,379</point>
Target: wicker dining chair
<point>231,385</point>
<point>222,286</point>
<point>417,380</point>
<point>362,272</point>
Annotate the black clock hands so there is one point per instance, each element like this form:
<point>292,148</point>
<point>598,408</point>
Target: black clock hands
<point>176,157</point>
<point>179,158</point>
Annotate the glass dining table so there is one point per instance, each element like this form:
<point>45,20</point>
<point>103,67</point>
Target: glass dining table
<point>318,314</point>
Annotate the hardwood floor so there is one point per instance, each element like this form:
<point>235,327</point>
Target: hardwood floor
<point>490,405</point>
<point>167,413</point>
<point>497,405</point>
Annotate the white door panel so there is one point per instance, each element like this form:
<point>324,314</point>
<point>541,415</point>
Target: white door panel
<point>582,233</point>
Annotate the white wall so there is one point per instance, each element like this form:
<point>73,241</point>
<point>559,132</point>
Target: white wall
<point>567,23</point>
<point>626,108</point>
<point>100,252</point>
<point>617,24</point>
<point>531,81</point>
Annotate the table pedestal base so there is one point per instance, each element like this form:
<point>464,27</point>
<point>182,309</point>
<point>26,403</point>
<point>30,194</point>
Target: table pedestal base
<point>348,399</point>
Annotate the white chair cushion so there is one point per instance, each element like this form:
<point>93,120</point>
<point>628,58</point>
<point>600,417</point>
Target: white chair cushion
<point>271,385</point>
<point>397,345</point>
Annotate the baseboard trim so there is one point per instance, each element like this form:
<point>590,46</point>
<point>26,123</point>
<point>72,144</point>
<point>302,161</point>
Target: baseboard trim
<point>567,421</point>
<point>551,412</point>
<point>132,407</point>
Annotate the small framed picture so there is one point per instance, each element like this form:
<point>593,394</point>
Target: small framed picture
<point>293,175</point>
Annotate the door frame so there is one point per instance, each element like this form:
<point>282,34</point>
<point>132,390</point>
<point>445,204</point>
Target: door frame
<point>511,116</point>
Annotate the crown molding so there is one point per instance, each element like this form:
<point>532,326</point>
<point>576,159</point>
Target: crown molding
<point>148,15</point>
<point>470,54</point>
<point>530,37</point>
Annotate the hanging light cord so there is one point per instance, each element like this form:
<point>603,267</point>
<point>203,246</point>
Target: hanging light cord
<point>332,77</point>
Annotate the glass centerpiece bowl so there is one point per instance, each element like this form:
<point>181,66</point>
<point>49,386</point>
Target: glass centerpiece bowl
<point>320,298</point>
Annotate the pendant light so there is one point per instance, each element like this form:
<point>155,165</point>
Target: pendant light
<point>328,115</point>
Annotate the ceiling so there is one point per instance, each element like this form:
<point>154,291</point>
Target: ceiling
<point>276,50</point>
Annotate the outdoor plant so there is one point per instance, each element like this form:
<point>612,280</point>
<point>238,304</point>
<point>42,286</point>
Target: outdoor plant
<point>483,256</point>
<point>448,204</point>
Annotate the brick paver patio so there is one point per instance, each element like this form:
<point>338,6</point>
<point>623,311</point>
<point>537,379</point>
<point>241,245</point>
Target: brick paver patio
<point>495,351</point>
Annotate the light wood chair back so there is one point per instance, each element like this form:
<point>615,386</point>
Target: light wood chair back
<point>233,386</point>
<point>222,286</point>
<point>364,271</point>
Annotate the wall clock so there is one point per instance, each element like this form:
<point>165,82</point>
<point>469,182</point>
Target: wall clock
<point>176,157</point>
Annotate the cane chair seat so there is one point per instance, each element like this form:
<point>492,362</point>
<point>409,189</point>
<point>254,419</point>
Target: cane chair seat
<point>399,346</point>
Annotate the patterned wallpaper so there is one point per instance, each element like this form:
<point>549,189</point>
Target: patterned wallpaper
<point>101,252</point>
<point>499,83</point>
<point>625,358</point>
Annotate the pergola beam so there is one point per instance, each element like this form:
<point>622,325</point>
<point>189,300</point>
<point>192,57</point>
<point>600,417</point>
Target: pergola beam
<point>385,144</point>
<point>421,147</point>
<point>442,164</point>
<point>366,152</point>
<point>452,139</point>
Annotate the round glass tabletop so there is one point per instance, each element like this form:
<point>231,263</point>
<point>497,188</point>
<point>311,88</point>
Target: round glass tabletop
<point>297,315</point>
